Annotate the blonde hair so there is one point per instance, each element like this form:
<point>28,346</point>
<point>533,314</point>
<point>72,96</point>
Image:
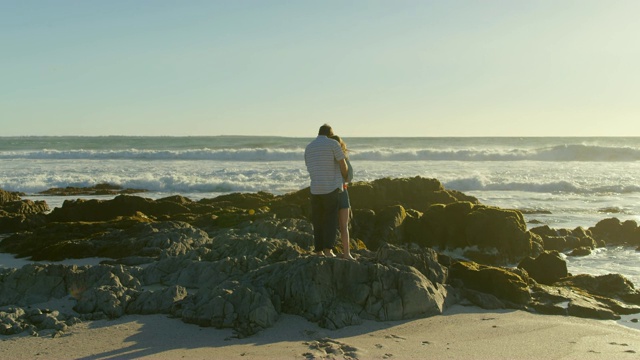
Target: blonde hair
<point>342,145</point>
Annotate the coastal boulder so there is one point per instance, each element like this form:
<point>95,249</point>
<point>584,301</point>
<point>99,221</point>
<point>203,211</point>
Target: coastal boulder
<point>337,292</point>
<point>156,302</point>
<point>581,251</point>
<point>111,301</point>
<point>485,234</point>
<point>614,232</point>
<point>232,304</point>
<point>120,206</point>
<point>17,214</point>
<point>116,239</point>
<point>8,196</point>
<point>590,309</point>
<point>35,283</point>
<point>564,239</point>
<point>547,268</point>
<point>411,193</point>
<point>609,285</point>
<point>377,229</point>
<point>563,298</point>
<point>504,284</point>
<point>38,322</point>
<point>424,260</point>
<point>25,207</point>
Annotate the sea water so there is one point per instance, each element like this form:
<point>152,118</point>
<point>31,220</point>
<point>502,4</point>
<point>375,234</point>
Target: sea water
<point>561,182</point>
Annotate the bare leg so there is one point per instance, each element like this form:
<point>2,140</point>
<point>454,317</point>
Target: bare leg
<point>343,217</point>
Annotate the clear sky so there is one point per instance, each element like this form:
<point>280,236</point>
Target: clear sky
<point>368,68</point>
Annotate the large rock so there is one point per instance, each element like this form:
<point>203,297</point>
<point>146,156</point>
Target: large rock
<point>547,268</point>
<point>17,214</point>
<point>111,300</point>
<point>7,196</point>
<point>591,309</point>
<point>122,205</point>
<point>572,301</point>
<point>613,232</point>
<point>486,234</point>
<point>502,283</point>
<point>333,292</point>
<point>323,289</point>
<point>116,239</point>
<point>411,193</point>
<point>424,260</point>
<point>25,207</point>
<point>610,285</point>
<point>35,283</point>
<point>565,240</point>
<point>15,320</point>
<point>378,229</point>
<point>242,307</point>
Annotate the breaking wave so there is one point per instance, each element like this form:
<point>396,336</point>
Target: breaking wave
<point>554,153</point>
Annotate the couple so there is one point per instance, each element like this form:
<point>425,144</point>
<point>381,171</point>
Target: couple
<point>330,171</point>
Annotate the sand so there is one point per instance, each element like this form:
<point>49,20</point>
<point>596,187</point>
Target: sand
<point>460,333</point>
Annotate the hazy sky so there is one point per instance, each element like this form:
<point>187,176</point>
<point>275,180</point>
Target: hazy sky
<point>368,68</point>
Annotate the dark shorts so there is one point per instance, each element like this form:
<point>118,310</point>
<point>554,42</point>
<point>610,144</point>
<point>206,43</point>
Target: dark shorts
<point>343,202</point>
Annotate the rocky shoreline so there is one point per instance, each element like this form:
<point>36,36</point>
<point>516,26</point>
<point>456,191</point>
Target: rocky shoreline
<point>241,260</point>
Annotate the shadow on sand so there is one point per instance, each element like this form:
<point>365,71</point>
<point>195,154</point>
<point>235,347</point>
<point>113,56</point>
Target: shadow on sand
<point>160,336</point>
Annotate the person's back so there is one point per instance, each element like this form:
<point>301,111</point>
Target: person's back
<point>321,157</point>
<point>327,166</point>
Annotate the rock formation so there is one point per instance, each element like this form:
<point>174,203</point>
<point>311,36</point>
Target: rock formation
<point>17,214</point>
<point>241,260</point>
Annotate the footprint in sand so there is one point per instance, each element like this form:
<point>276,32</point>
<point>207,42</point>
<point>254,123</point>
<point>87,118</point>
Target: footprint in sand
<point>615,343</point>
<point>395,337</point>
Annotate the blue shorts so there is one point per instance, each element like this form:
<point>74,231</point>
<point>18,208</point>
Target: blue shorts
<point>343,200</point>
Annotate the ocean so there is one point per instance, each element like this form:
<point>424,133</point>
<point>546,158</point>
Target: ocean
<point>563,182</point>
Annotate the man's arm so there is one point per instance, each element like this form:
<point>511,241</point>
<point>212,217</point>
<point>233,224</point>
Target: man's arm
<point>344,169</point>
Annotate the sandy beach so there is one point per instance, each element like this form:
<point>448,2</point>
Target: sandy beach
<point>460,333</point>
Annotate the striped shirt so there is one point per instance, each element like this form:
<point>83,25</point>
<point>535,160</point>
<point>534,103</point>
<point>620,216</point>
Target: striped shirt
<point>321,157</point>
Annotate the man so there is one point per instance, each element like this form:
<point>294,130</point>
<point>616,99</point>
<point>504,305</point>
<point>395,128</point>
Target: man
<point>327,168</point>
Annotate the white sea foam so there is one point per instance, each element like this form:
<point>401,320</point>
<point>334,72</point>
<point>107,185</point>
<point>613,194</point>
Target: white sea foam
<point>609,260</point>
<point>564,153</point>
<point>32,176</point>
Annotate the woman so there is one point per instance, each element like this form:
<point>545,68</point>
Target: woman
<point>344,212</point>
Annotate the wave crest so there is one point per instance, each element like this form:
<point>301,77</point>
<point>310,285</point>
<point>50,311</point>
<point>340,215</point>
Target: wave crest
<point>554,153</point>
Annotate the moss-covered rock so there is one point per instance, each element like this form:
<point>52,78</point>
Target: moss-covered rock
<point>488,234</point>
<point>614,232</point>
<point>506,285</point>
<point>546,268</point>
